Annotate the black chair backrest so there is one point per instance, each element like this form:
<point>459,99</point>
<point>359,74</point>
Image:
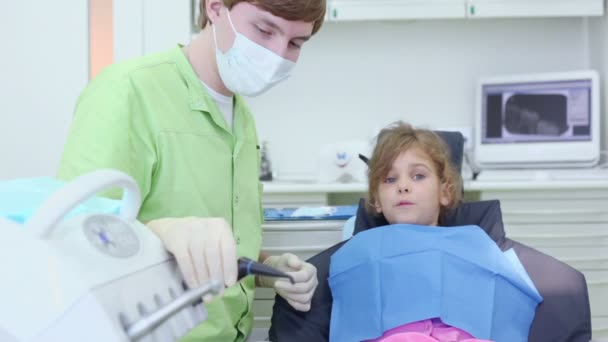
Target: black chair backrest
<point>455,143</point>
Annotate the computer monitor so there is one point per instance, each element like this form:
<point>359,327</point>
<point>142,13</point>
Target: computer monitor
<point>549,120</point>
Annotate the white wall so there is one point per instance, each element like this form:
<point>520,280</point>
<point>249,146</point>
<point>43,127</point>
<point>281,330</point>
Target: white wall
<point>356,77</point>
<point>43,67</point>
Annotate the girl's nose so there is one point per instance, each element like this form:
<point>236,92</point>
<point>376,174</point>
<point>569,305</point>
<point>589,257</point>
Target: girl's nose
<point>403,187</point>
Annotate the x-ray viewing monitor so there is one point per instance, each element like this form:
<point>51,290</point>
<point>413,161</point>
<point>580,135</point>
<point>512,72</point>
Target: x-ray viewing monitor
<point>538,120</point>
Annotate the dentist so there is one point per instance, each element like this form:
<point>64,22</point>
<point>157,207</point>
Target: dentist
<point>176,122</point>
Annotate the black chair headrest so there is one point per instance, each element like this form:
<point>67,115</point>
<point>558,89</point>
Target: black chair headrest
<point>455,143</point>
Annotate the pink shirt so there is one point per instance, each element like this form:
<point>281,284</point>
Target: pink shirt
<point>429,330</point>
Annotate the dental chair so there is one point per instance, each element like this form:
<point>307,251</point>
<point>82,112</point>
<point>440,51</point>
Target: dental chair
<point>563,316</point>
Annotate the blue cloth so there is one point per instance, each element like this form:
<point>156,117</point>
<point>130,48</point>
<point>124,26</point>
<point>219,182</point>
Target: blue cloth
<point>349,228</point>
<point>389,276</point>
<point>519,267</point>
<point>19,199</point>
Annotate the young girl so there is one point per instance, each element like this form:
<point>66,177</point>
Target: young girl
<point>412,181</point>
<point>381,285</point>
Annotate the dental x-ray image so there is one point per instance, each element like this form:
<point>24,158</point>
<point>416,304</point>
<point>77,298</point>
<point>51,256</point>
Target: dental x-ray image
<point>536,114</point>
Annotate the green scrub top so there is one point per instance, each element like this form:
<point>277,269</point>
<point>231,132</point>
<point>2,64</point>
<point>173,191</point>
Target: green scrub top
<point>152,118</point>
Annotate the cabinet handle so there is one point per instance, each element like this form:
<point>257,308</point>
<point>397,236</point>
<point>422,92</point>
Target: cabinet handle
<point>470,8</point>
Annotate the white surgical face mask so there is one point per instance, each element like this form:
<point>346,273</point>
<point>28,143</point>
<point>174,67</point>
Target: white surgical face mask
<point>248,68</point>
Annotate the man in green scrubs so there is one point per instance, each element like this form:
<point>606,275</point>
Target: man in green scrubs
<point>176,122</point>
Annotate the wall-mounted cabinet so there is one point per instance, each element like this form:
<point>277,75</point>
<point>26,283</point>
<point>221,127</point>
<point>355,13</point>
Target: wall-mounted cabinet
<point>348,10</point>
<point>395,9</point>
<point>534,8</point>
<point>360,10</point>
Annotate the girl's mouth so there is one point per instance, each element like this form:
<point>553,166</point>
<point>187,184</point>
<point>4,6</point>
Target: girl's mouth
<point>404,203</point>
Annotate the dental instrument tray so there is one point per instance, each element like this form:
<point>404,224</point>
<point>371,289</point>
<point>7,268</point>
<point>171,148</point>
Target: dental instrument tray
<point>341,212</point>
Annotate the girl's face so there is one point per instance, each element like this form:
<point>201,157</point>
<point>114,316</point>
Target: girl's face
<point>412,192</point>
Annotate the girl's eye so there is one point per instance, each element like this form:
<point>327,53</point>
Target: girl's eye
<point>419,176</point>
<point>390,180</point>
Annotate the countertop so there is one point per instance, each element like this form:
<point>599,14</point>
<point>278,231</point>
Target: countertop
<point>307,186</point>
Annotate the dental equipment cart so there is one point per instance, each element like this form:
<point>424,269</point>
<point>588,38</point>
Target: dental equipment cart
<point>93,276</point>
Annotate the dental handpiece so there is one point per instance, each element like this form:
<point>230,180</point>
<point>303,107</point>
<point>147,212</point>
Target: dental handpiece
<point>247,267</point>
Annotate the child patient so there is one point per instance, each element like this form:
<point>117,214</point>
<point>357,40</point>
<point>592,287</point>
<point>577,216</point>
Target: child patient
<point>412,183</point>
<point>411,180</point>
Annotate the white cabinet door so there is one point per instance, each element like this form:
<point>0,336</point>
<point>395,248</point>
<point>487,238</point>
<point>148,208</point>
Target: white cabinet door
<point>534,8</point>
<point>339,10</point>
<point>395,9</point>
<point>146,26</point>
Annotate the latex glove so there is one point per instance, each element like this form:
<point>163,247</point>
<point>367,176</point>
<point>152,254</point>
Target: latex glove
<point>204,248</point>
<point>299,294</point>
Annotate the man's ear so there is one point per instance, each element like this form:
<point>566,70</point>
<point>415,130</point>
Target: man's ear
<point>213,8</point>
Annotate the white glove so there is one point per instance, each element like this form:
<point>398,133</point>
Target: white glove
<point>299,294</point>
<point>203,247</point>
